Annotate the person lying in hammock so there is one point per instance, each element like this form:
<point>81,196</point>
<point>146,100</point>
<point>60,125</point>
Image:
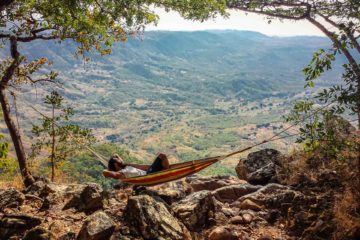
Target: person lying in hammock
<point>117,169</point>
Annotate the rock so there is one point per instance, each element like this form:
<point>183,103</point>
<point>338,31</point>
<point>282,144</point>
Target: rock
<point>195,210</point>
<point>272,196</point>
<point>265,237</point>
<point>98,226</point>
<point>59,227</point>
<point>11,198</point>
<point>36,188</point>
<point>236,220</point>
<point>219,218</point>
<point>259,167</point>
<point>213,183</point>
<point>92,197</point>
<point>223,233</point>
<point>231,193</point>
<point>272,215</point>
<point>38,233</point>
<point>247,217</point>
<point>229,212</point>
<point>169,192</point>
<point>151,218</point>
<point>248,204</point>
<point>17,224</point>
<point>89,199</point>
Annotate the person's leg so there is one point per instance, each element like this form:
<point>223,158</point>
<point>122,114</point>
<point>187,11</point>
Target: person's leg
<point>161,163</point>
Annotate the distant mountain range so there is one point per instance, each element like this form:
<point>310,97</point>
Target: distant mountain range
<point>194,67</point>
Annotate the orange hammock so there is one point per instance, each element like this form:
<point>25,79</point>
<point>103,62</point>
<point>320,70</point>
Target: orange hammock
<point>180,170</point>
<point>176,171</point>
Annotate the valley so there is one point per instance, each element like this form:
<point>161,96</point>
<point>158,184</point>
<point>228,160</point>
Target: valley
<point>187,94</point>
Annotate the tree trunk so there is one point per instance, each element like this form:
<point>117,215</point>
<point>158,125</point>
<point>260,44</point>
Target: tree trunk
<point>16,138</point>
<point>53,145</point>
<point>14,132</point>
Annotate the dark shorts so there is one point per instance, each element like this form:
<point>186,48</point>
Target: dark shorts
<point>156,166</point>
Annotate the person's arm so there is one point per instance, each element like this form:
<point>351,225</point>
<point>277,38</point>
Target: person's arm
<point>138,166</point>
<point>115,175</point>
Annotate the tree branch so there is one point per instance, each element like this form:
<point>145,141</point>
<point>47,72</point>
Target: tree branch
<point>338,44</point>
<point>244,8</point>
<point>36,31</point>
<point>36,37</point>
<point>347,31</point>
<point>9,72</point>
<point>274,15</point>
<point>29,38</point>
<point>5,35</point>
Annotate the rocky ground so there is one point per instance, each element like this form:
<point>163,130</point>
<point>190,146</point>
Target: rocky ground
<point>253,206</point>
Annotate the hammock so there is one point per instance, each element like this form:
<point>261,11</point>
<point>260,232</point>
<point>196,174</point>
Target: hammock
<point>176,171</point>
<point>180,170</point>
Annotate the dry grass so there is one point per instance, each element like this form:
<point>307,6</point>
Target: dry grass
<point>15,182</point>
<point>295,167</point>
<point>346,214</point>
<point>346,201</point>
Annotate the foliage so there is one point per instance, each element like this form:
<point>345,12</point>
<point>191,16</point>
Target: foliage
<point>321,130</point>
<point>53,135</point>
<point>8,165</point>
<point>340,22</point>
<point>93,23</point>
<point>4,148</point>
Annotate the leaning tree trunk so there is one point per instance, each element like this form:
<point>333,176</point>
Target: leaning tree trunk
<point>16,138</point>
<point>13,130</point>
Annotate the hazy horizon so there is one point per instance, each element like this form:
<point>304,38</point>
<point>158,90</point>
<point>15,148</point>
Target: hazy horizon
<point>237,20</point>
<point>234,30</point>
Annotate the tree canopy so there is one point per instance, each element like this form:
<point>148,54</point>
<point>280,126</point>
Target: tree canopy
<point>339,20</point>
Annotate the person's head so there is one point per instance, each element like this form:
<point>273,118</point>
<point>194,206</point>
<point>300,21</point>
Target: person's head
<point>115,163</point>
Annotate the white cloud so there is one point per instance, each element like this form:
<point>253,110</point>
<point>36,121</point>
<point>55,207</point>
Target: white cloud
<point>172,21</point>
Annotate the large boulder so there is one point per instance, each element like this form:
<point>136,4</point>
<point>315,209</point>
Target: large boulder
<point>36,188</point>
<point>151,218</point>
<point>231,193</point>
<point>17,224</point>
<point>89,199</point>
<point>98,226</point>
<point>260,167</point>
<point>195,210</point>
<point>11,198</point>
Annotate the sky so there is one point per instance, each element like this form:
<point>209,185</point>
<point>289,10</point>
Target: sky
<point>172,21</point>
